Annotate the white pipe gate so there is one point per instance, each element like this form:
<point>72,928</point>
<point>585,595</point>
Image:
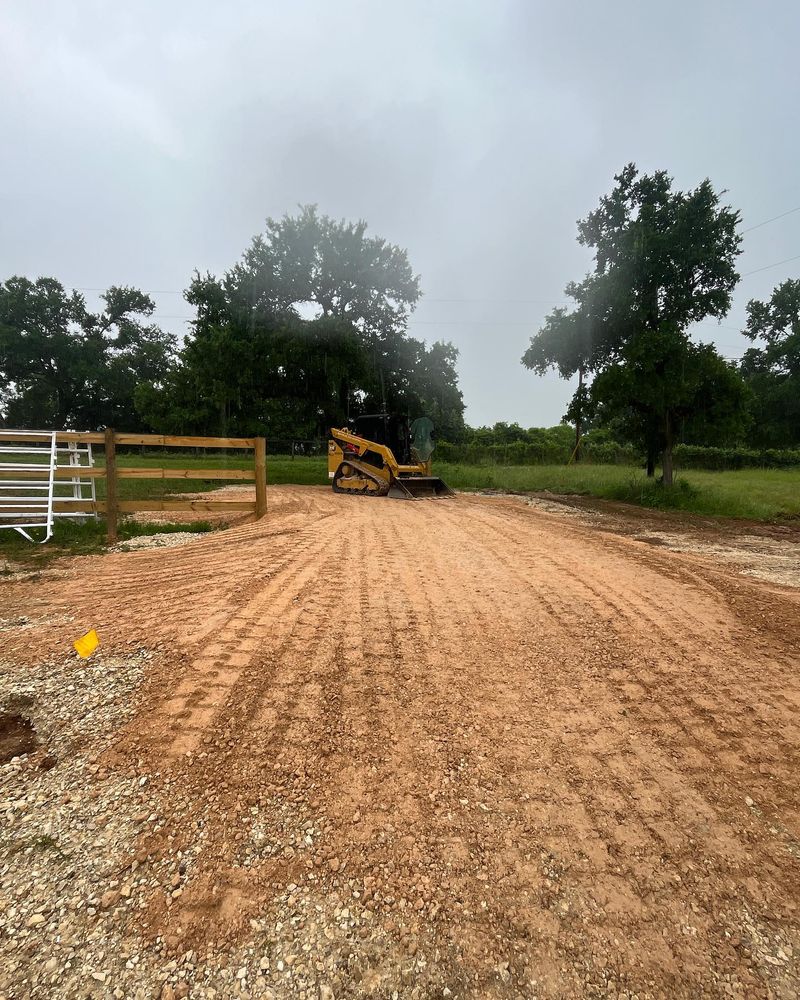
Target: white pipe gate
<point>29,482</point>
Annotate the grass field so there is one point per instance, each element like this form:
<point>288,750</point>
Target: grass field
<point>756,494</point>
<point>760,494</point>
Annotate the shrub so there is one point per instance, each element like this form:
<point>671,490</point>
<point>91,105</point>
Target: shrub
<point>690,456</point>
<point>544,452</point>
<point>654,494</point>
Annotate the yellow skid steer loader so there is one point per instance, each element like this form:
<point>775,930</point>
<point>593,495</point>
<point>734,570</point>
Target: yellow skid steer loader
<point>363,460</point>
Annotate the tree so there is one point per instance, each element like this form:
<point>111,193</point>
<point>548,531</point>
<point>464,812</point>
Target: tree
<point>663,259</point>
<point>62,366</point>
<point>307,330</point>
<point>772,372</point>
<point>311,260</point>
<point>704,395</point>
<point>434,389</point>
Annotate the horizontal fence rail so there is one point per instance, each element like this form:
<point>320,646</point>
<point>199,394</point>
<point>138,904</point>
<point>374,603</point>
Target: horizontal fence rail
<point>98,472</point>
<point>31,477</point>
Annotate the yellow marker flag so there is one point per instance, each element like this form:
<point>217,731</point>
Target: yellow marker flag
<point>87,644</point>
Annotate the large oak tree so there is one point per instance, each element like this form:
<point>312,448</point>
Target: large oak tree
<point>308,329</point>
<point>663,260</point>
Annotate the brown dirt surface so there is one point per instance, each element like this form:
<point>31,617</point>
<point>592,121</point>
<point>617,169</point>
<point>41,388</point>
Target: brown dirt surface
<point>464,748</point>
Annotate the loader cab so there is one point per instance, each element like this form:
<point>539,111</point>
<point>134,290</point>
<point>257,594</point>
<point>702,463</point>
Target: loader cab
<point>387,429</point>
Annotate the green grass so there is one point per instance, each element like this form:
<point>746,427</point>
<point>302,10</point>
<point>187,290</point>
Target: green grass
<point>753,494</point>
<point>75,538</point>
<point>759,494</point>
<point>756,494</point>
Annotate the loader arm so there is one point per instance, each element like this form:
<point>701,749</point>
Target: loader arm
<point>370,451</point>
<point>358,465</point>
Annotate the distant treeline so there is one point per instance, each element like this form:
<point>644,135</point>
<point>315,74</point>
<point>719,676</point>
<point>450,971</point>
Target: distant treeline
<point>510,444</point>
<point>310,329</point>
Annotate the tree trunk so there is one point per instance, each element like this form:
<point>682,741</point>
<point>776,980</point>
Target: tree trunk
<point>666,463</point>
<point>578,418</point>
<point>651,461</point>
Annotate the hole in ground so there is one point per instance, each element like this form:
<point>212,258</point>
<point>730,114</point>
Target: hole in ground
<point>17,736</point>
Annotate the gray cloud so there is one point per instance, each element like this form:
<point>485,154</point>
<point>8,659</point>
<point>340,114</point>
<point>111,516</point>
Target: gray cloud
<point>143,141</point>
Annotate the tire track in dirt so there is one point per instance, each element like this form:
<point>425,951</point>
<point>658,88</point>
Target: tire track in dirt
<point>674,671</point>
<point>560,566</point>
<point>679,646</point>
<point>595,827</point>
<point>153,596</point>
<point>274,709</point>
<point>517,740</point>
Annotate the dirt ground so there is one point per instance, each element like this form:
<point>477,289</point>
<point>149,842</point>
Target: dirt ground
<point>478,747</point>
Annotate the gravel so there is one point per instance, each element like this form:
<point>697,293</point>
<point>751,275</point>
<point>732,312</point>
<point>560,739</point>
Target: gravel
<point>74,880</point>
<point>166,540</point>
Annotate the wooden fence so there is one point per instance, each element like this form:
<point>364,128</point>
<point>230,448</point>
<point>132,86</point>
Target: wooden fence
<point>112,473</point>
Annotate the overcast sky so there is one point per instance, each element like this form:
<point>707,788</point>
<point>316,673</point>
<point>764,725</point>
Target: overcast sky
<point>143,140</point>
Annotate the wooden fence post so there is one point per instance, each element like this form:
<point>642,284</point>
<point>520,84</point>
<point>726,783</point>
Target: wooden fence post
<point>111,486</point>
<point>261,476</point>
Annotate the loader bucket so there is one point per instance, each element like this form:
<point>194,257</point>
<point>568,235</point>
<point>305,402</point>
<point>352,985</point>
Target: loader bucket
<point>418,487</point>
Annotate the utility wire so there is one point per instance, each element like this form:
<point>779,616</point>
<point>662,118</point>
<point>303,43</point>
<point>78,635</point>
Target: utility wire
<point>431,322</point>
<point>774,218</point>
<point>428,298</point>
<point>455,322</point>
<point>147,291</point>
<point>766,267</point>
<point>546,302</point>
<point>411,322</point>
<point>425,298</point>
<point>173,291</point>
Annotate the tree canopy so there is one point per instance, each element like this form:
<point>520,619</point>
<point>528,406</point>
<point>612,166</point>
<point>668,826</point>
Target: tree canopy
<point>663,259</point>
<point>772,369</point>
<point>63,366</point>
<point>308,329</point>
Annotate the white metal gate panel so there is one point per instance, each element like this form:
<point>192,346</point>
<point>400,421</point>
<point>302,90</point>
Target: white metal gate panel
<point>30,486</point>
<point>77,488</point>
<point>27,479</point>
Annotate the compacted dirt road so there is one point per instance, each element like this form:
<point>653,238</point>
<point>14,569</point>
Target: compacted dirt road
<point>447,748</point>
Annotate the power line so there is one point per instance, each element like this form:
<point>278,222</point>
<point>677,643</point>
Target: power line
<point>429,298</point>
<point>547,302</point>
<point>768,266</point>
<point>774,218</point>
<point>453,322</point>
<point>412,322</point>
<point>467,322</point>
<point>424,298</point>
<point>147,291</point>
<point>429,322</point>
